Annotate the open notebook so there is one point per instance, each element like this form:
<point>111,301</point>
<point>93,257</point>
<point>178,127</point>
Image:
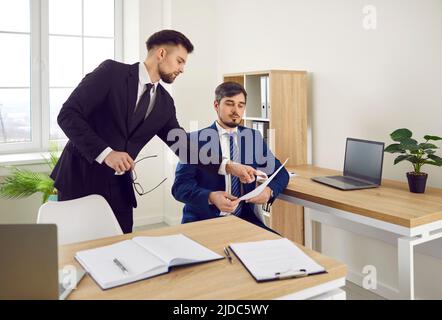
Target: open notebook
<point>275,259</point>
<point>140,258</point>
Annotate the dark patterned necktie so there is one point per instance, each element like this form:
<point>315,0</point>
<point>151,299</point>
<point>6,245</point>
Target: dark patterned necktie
<point>234,181</point>
<point>141,109</point>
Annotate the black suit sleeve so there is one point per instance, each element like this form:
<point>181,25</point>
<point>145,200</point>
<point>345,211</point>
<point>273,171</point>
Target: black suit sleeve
<point>72,119</point>
<point>183,147</point>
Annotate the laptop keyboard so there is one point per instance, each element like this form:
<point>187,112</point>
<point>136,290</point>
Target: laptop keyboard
<point>348,180</point>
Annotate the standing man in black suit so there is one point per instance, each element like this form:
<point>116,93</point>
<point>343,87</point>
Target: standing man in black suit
<point>112,114</point>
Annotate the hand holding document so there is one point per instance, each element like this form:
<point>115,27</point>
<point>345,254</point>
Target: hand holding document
<point>257,191</point>
<point>261,176</point>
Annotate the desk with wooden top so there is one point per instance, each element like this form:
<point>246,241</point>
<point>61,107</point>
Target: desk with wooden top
<point>413,218</point>
<point>212,280</point>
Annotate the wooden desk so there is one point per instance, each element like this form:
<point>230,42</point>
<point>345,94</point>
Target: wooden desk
<point>413,218</point>
<point>212,280</point>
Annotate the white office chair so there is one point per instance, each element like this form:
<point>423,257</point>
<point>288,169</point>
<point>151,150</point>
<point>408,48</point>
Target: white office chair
<point>80,219</point>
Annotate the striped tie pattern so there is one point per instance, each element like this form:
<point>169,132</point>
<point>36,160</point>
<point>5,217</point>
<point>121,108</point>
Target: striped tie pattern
<point>235,183</point>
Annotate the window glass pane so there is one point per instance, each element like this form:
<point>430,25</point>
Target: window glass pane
<point>15,15</point>
<point>15,115</point>
<point>65,17</point>
<point>96,51</point>
<point>14,60</point>
<point>56,99</point>
<point>65,68</point>
<point>99,18</point>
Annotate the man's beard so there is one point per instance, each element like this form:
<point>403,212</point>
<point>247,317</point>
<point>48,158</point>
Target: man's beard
<point>232,124</point>
<point>167,77</point>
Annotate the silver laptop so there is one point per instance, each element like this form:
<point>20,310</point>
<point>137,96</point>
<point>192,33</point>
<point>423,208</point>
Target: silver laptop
<point>29,264</point>
<point>362,166</point>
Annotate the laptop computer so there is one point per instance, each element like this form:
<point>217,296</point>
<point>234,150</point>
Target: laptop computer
<point>29,264</point>
<point>362,166</point>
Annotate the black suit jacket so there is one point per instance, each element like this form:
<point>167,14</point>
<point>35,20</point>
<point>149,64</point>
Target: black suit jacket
<point>96,116</point>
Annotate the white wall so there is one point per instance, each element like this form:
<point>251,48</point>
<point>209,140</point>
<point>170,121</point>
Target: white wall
<point>364,84</point>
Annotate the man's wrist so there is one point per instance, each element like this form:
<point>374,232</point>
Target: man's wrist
<point>228,166</point>
<point>271,193</point>
<point>102,156</point>
<point>223,167</point>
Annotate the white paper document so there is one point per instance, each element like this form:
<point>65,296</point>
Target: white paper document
<point>271,259</point>
<point>261,187</point>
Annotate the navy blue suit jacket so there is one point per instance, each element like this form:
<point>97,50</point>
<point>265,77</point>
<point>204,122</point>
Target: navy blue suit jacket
<point>192,186</point>
<point>96,116</point>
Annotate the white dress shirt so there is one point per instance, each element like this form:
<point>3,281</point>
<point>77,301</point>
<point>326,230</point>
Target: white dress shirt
<point>224,140</point>
<point>143,80</point>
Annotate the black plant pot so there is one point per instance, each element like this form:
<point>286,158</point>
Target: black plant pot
<point>417,182</point>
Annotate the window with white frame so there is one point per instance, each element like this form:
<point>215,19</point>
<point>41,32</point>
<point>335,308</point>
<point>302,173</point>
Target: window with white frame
<point>46,48</point>
<point>15,71</point>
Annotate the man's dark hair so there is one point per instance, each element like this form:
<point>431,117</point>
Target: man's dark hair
<point>229,89</point>
<point>170,37</point>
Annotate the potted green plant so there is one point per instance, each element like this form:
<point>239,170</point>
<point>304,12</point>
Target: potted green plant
<point>22,183</point>
<point>418,154</point>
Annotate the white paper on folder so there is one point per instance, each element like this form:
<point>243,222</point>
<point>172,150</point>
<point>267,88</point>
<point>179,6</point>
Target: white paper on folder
<point>262,186</point>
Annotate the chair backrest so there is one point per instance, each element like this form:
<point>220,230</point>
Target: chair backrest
<point>80,219</point>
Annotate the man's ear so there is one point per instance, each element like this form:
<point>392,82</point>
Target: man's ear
<point>216,105</point>
<point>161,53</point>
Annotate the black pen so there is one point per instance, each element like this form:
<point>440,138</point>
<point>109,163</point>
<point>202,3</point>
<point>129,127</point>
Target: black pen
<point>226,251</point>
<point>293,274</point>
<point>120,265</point>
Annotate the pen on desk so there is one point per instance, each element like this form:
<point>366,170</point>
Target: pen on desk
<point>293,274</point>
<point>226,251</point>
<point>120,265</point>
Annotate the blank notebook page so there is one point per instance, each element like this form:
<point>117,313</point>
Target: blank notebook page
<point>176,249</point>
<point>135,258</point>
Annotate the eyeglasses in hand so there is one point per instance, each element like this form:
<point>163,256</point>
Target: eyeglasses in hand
<point>137,186</point>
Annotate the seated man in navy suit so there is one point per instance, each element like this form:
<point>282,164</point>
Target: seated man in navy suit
<point>209,195</point>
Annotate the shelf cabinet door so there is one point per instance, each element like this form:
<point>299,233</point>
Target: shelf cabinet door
<point>288,116</point>
<point>288,220</point>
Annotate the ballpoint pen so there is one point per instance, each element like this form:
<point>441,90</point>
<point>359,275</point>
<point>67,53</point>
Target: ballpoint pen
<point>291,274</point>
<point>226,251</point>
<point>120,265</point>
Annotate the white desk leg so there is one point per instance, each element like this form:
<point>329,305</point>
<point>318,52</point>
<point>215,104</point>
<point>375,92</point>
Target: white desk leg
<point>308,229</point>
<point>312,232</point>
<point>406,268</point>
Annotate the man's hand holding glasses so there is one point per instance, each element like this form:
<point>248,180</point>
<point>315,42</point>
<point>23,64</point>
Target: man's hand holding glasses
<point>120,162</point>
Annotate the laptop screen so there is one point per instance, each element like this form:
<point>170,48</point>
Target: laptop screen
<point>363,160</point>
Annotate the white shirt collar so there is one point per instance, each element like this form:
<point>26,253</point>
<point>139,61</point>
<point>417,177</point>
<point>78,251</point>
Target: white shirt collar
<point>223,131</point>
<point>143,75</point>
